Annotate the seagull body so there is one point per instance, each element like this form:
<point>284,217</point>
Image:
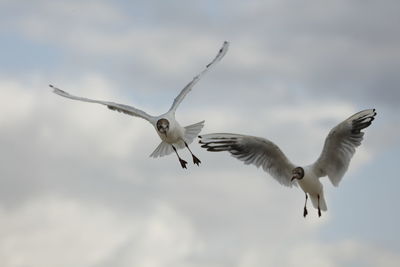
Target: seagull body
<point>172,134</point>
<point>339,148</point>
<point>176,131</point>
<point>312,187</point>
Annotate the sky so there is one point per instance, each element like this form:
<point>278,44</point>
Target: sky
<point>77,186</point>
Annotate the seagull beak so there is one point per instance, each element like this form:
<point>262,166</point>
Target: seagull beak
<point>294,177</point>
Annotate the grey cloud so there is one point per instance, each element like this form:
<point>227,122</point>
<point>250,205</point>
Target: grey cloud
<point>340,49</point>
<point>291,74</point>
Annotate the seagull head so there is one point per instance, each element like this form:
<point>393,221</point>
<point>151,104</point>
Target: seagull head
<point>297,173</point>
<point>163,126</point>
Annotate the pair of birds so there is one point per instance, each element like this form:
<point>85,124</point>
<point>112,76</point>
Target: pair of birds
<point>333,162</point>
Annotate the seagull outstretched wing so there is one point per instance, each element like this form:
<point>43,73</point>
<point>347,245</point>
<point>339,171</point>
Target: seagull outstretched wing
<point>340,146</point>
<point>252,150</point>
<point>189,86</point>
<point>111,105</point>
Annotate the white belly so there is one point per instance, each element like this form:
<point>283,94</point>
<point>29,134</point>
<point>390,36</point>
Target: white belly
<point>311,185</point>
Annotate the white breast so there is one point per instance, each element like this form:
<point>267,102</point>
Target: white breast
<point>310,183</point>
<point>175,133</point>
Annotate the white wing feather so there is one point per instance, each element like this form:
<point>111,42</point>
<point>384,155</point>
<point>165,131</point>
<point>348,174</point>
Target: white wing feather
<point>190,85</point>
<point>340,146</point>
<point>252,150</point>
<point>113,106</point>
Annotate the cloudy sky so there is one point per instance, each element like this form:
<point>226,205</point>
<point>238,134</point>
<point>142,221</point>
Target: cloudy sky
<point>77,186</point>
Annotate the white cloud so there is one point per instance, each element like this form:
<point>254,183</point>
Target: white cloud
<point>53,231</point>
<point>313,253</point>
<point>342,253</point>
<point>17,103</point>
<point>99,29</point>
<point>62,232</point>
<point>166,238</point>
<point>221,214</point>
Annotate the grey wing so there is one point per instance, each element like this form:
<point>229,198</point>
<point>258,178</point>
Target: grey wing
<point>189,86</point>
<point>340,146</point>
<point>113,106</point>
<point>252,150</point>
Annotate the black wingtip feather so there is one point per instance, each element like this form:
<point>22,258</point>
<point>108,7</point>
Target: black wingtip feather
<point>363,122</point>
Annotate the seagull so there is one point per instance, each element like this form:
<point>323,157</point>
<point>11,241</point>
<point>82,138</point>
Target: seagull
<point>172,134</point>
<point>339,148</point>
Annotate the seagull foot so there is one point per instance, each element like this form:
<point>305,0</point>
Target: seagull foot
<point>183,163</point>
<point>319,212</point>
<point>196,160</point>
<point>305,212</point>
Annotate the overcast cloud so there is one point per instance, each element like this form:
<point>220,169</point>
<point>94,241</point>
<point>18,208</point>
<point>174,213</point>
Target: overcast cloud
<point>77,187</point>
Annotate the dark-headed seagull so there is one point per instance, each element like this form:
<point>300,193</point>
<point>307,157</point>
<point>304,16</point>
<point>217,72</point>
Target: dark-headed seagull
<point>172,134</point>
<point>340,146</point>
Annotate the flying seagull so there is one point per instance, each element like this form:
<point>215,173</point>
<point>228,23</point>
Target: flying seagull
<point>172,134</point>
<point>340,146</point>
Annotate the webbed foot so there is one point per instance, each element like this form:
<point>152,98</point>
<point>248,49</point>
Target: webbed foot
<point>183,163</point>
<point>196,160</point>
<point>305,212</point>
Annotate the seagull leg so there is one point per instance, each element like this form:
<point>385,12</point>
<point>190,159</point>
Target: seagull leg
<point>319,209</point>
<point>195,159</point>
<point>183,163</point>
<point>305,207</point>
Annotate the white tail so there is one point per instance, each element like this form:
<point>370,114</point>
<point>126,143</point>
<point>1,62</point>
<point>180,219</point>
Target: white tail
<point>163,149</point>
<point>322,203</point>
<point>192,131</point>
